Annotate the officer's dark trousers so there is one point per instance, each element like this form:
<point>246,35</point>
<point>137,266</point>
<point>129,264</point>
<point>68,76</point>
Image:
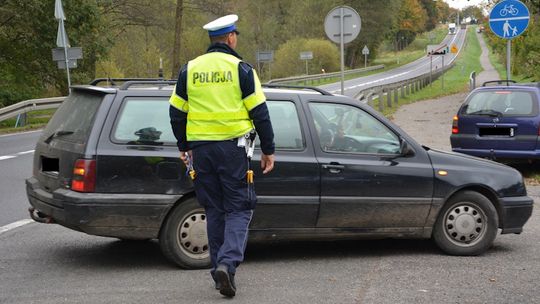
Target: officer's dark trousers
<point>222,189</point>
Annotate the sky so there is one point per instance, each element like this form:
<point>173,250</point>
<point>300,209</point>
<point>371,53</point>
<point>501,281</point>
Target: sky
<point>462,3</point>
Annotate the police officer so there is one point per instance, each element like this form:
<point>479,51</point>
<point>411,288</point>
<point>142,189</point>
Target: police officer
<point>217,101</point>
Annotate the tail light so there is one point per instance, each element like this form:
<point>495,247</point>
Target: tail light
<point>455,129</point>
<point>84,176</point>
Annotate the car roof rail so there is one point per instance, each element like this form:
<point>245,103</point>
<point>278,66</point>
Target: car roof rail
<point>113,81</point>
<point>499,82</point>
<point>286,86</point>
<point>159,82</point>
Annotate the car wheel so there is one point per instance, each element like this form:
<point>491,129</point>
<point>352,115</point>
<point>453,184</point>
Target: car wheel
<point>183,239</point>
<point>467,224</point>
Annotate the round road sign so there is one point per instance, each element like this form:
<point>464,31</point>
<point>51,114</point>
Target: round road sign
<point>509,19</point>
<point>351,24</point>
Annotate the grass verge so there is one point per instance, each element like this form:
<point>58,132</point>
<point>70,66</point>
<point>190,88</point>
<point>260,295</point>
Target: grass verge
<point>34,120</point>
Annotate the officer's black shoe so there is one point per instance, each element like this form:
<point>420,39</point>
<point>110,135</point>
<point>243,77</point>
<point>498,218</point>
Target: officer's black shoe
<point>226,281</point>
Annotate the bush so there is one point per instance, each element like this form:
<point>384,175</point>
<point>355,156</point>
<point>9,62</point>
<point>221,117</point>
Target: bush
<point>288,63</point>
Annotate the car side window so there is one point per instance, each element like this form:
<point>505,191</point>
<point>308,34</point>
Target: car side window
<point>344,128</point>
<point>143,121</point>
<point>286,125</point>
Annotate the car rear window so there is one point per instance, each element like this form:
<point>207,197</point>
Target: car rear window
<point>502,102</point>
<point>144,121</point>
<point>74,118</point>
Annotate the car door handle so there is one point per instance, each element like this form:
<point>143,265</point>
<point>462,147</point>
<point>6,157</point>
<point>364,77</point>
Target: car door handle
<point>334,168</point>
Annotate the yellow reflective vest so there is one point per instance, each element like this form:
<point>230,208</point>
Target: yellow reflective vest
<point>215,108</point>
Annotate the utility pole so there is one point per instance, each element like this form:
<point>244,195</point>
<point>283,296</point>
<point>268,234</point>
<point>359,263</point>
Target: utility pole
<point>177,38</point>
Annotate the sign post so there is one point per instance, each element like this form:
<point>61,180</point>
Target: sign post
<point>306,56</point>
<point>365,52</point>
<point>265,56</point>
<point>342,25</point>
<point>509,19</point>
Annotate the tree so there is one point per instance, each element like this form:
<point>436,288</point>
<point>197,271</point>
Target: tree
<point>27,35</point>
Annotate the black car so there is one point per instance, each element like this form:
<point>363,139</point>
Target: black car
<point>107,164</point>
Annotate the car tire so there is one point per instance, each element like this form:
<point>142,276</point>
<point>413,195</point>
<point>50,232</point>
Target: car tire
<point>467,225</point>
<point>183,239</point>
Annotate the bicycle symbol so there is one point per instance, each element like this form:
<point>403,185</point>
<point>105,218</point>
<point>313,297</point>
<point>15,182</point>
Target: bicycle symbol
<point>509,9</point>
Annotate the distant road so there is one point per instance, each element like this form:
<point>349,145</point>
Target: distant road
<point>421,66</point>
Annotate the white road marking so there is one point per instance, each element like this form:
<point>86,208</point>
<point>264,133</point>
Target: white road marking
<point>26,152</point>
<point>14,225</point>
<point>20,133</point>
<point>7,157</point>
<point>4,157</point>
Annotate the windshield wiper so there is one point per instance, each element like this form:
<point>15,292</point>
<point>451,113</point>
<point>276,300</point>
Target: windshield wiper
<point>57,134</point>
<point>492,113</point>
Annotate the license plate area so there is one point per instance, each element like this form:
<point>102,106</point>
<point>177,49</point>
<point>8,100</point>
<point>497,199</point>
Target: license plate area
<point>496,132</point>
<point>50,166</point>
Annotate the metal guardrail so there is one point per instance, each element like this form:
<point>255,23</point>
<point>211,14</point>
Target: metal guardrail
<point>320,77</point>
<point>396,90</point>
<point>30,105</point>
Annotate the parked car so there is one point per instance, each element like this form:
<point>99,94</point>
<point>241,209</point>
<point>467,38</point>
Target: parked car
<point>500,121</point>
<point>107,164</point>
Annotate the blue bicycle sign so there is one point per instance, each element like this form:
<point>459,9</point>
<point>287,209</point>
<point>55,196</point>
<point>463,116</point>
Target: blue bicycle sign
<point>509,9</point>
<point>509,19</point>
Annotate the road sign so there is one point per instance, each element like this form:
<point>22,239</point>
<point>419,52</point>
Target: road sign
<point>58,54</point>
<point>62,64</point>
<point>365,50</point>
<point>306,55</point>
<point>509,19</point>
<point>265,56</point>
<point>342,25</point>
<point>351,24</point>
<point>454,49</point>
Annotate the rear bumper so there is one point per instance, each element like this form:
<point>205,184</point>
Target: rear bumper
<point>516,211</point>
<point>510,154</point>
<point>130,216</point>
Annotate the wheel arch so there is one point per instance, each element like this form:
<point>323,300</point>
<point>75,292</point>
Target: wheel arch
<point>182,199</point>
<point>485,191</point>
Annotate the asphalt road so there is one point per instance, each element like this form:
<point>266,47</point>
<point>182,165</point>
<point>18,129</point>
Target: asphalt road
<point>16,157</point>
<point>421,66</point>
<point>50,264</point>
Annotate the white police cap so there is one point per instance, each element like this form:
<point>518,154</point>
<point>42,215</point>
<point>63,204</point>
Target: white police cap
<point>222,26</point>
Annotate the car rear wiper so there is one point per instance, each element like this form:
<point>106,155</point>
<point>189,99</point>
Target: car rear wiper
<point>57,134</point>
<point>492,113</point>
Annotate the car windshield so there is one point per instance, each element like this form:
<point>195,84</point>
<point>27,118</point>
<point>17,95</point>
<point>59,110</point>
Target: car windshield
<point>501,103</point>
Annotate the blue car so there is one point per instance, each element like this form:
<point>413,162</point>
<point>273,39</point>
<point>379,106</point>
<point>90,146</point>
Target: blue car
<point>499,122</point>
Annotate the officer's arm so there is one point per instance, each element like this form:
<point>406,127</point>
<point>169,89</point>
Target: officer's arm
<point>254,100</point>
<point>178,110</point>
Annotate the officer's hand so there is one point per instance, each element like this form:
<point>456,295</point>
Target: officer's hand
<point>184,157</point>
<point>267,163</point>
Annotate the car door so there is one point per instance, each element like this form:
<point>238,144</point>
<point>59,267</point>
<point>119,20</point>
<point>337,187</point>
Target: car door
<point>288,196</point>
<point>366,182</point>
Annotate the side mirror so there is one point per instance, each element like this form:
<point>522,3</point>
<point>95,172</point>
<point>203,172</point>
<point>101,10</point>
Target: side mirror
<point>405,149</point>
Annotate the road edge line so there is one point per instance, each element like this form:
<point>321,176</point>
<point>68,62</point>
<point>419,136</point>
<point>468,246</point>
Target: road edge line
<point>14,225</point>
